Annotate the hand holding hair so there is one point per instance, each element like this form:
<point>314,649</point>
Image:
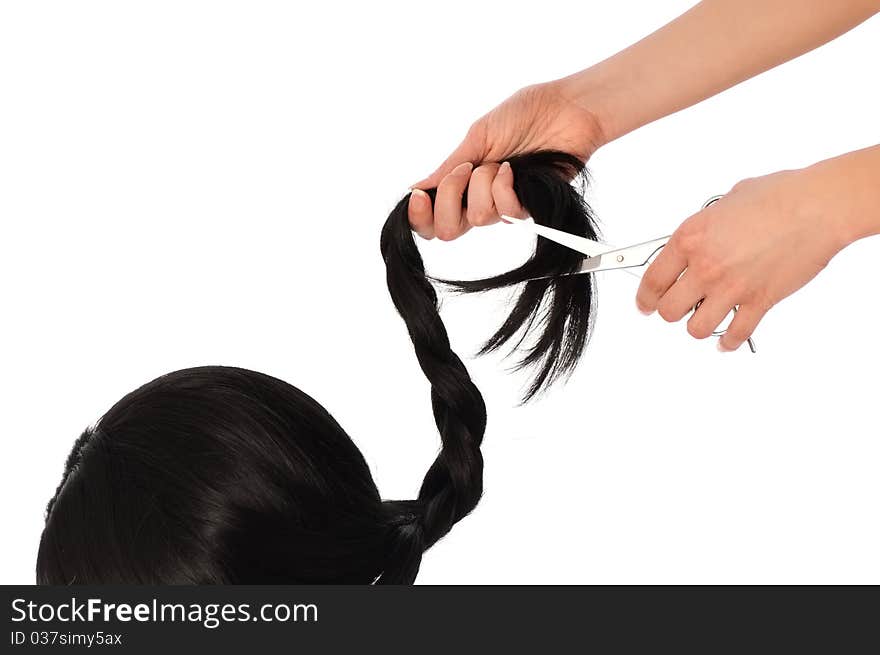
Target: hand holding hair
<point>539,117</point>
<point>712,47</point>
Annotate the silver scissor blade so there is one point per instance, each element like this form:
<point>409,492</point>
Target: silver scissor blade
<point>582,245</point>
<point>622,258</point>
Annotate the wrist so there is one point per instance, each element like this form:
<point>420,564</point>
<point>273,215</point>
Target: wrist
<point>845,190</point>
<point>814,205</point>
<point>591,94</point>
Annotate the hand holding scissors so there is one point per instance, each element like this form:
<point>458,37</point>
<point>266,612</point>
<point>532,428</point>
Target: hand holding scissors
<point>600,257</point>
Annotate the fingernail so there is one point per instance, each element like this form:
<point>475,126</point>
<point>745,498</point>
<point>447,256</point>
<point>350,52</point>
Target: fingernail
<point>644,312</point>
<point>418,195</point>
<point>721,347</point>
<point>504,168</point>
<point>463,169</point>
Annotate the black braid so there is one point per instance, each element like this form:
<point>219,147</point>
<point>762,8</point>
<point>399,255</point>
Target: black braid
<point>454,483</point>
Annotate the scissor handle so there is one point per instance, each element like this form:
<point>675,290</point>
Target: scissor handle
<point>712,200</point>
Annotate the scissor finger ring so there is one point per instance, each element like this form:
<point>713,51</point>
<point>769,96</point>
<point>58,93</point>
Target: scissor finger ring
<point>722,332</point>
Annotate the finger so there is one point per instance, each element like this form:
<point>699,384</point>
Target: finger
<point>741,327</point>
<point>503,194</point>
<point>449,221</point>
<point>467,151</point>
<point>680,298</point>
<point>709,316</point>
<point>661,275</point>
<point>480,204</point>
<point>421,214</point>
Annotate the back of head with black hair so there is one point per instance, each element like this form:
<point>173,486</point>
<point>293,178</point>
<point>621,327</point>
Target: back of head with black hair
<point>215,475</point>
<point>219,475</point>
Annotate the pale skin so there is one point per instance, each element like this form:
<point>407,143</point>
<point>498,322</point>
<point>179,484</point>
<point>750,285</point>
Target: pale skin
<point>763,241</point>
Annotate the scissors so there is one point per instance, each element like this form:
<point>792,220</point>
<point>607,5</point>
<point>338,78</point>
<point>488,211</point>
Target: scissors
<point>600,257</point>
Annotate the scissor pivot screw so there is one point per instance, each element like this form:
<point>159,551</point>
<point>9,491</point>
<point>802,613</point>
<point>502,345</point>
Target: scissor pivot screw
<point>620,258</point>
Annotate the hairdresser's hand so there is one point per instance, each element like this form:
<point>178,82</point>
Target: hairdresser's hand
<point>761,242</point>
<point>537,117</point>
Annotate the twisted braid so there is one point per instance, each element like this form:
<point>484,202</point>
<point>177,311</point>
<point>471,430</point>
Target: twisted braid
<point>454,483</point>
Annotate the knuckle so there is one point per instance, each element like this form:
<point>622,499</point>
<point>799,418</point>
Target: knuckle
<point>476,134</point>
<point>644,301</point>
<point>509,206</point>
<point>738,333</point>
<point>444,234</point>
<point>688,242</point>
<point>445,231</point>
<point>746,295</point>
<point>453,184</point>
<point>698,329</point>
<point>481,216</point>
<point>764,303</point>
<point>477,128</point>
<point>688,236</point>
<point>735,289</point>
<point>742,184</point>
<point>708,271</point>
<point>652,285</point>
<point>419,226</point>
<point>667,312</point>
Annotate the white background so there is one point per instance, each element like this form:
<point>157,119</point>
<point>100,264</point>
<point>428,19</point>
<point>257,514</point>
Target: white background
<point>186,183</point>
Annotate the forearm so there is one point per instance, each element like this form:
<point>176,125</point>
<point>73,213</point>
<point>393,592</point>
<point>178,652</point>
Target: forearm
<point>712,47</point>
<point>847,190</point>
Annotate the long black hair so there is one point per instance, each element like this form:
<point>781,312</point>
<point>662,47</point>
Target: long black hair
<point>552,317</point>
<point>219,475</point>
